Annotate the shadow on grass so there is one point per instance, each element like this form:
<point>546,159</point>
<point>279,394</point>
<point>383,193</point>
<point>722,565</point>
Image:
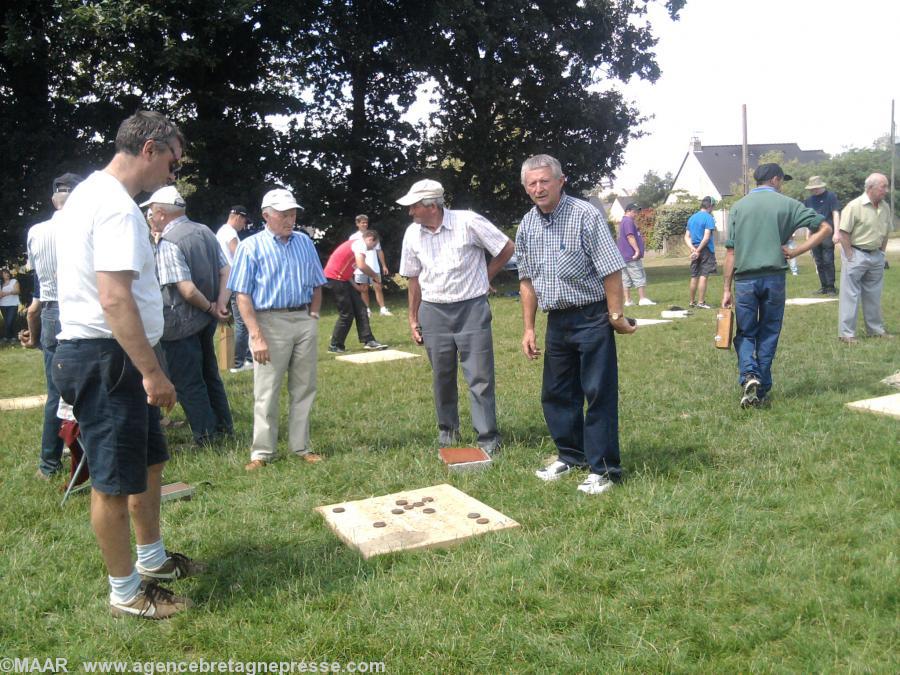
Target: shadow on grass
<point>663,459</point>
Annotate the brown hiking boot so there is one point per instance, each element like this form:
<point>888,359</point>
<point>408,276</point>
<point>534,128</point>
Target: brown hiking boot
<point>177,566</point>
<point>152,602</point>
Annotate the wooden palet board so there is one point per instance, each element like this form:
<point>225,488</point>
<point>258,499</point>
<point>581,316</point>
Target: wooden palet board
<point>23,402</point>
<point>650,322</point>
<point>412,529</point>
<point>808,301</point>
<point>377,357</point>
<point>883,405</point>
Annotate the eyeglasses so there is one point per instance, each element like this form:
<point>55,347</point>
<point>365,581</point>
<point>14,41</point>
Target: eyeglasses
<point>175,164</point>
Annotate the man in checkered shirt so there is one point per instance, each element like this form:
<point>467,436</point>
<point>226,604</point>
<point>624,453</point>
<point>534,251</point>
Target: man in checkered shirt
<point>571,267</point>
<point>443,258</point>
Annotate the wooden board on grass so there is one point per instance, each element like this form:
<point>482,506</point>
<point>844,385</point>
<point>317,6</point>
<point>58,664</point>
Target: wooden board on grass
<point>808,301</point>
<point>372,527</point>
<point>650,322</point>
<point>176,491</point>
<point>465,459</point>
<point>23,402</point>
<point>883,405</point>
<point>377,357</point>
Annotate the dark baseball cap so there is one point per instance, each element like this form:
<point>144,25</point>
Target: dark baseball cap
<point>66,182</point>
<point>766,172</point>
<point>633,207</point>
<point>240,210</point>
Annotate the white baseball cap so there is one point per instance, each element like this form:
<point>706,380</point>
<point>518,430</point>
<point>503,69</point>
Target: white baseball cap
<point>280,200</point>
<point>165,195</point>
<point>424,189</point>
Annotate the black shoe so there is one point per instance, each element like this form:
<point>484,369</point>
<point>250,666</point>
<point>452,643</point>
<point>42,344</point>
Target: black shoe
<point>334,349</point>
<point>374,346</point>
<point>750,397</point>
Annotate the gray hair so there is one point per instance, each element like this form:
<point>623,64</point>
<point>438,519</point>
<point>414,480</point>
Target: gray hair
<point>540,162</point>
<point>433,201</point>
<point>59,199</point>
<point>874,179</point>
<point>168,208</point>
<point>143,126</point>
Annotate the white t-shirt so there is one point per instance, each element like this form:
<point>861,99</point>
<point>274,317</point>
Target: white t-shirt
<point>371,254</point>
<point>10,300</point>
<point>225,235</point>
<point>103,231</point>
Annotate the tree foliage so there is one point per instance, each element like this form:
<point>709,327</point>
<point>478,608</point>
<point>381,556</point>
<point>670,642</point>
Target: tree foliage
<point>313,95</point>
<point>653,190</point>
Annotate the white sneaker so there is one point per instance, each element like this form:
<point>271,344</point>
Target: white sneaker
<point>553,471</point>
<point>386,312</point>
<point>595,484</point>
<point>368,312</point>
<point>151,602</point>
<point>246,365</point>
<point>646,302</point>
<point>629,303</point>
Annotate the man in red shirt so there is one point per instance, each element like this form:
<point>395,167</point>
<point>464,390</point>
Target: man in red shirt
<point>346,258</point>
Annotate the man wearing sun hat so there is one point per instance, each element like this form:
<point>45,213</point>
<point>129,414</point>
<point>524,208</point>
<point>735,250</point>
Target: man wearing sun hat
<point>192,272</point>
<point>443,258</point>
<point>227,235</point>
<point>278,280</point>
<point>759,228</point>
<point>825,203</point>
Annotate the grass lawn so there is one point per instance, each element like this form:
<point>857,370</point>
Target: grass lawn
<point>757,540</point>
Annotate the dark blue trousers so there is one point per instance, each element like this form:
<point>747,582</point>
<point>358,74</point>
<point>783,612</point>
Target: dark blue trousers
<point>51,443</point>
<point>580,367</point>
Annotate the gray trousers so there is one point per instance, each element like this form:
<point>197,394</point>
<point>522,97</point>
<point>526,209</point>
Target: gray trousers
<point>461,329</point>
<point>861,280</point>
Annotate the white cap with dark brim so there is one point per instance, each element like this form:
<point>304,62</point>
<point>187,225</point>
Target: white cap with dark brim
<point>165,195</point>
<point>280,200</point>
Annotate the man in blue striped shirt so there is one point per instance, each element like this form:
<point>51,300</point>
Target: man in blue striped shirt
<point>278,280</point>
<point>571,267</point>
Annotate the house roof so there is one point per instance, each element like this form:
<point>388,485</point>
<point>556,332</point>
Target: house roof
<point>599,205</point>
<point>722,163</point>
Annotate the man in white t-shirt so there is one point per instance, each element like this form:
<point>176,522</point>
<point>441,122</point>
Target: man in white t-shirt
<point>375,261</point>
<point>106,366</point>
<point>227,235</point>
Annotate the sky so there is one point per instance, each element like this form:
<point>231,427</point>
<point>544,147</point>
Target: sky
<point>818,73</point>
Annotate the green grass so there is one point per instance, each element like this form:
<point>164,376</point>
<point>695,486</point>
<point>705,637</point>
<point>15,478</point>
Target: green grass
<point>761,540</point>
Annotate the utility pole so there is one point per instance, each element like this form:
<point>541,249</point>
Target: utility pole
<point>745,169</point>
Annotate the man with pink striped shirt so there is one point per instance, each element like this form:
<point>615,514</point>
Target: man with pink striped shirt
<point>443,256</point>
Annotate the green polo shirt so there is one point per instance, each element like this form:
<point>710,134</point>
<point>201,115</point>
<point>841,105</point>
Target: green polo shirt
<point>759,225</point>
<point>866,223</point>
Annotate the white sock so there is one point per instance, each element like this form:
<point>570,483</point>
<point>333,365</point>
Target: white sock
<point>123,589</point>
<point>151,556</point>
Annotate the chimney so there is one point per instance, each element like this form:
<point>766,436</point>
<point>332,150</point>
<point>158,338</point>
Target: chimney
<point>695,144</point>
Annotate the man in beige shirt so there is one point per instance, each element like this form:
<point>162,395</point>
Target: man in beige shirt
<point>865,224</point>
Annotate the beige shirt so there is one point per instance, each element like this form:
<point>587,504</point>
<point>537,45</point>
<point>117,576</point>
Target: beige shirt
<point>866,224</point>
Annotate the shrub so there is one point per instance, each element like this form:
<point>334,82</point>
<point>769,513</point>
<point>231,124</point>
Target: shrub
<point>670,220</point>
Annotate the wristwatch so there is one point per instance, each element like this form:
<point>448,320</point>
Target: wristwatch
<point>614,316</point>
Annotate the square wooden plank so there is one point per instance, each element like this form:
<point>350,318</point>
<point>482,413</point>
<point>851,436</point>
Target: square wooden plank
<point>464,459</point>
<point>413,528</point>
<point>883,405</point>
<point>377,357</point>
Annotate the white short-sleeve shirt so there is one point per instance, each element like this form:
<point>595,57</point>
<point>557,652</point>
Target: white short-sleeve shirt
<point>225,236</point>
<point>449,262</point>
<point>104,231</point>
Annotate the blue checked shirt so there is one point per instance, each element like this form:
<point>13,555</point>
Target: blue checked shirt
<point>171,266</point>
<point>566,254</point>
<point>274,274</point>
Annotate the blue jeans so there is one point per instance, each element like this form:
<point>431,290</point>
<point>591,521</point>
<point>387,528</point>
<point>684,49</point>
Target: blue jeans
<point>51,443</point>
<point>194,371</point>
<point>9,321</point>
<point>580,366</point>
<point>759,312</point>
<point>241,335</point>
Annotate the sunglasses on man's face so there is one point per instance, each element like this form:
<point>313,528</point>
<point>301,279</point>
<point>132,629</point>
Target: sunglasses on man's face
<point>175,164</point>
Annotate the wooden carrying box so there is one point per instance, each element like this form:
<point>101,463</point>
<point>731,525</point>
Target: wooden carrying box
<point>225,346</point>
<point>724,328</point>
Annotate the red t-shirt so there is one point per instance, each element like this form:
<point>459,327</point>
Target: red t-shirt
<point>342,262</point>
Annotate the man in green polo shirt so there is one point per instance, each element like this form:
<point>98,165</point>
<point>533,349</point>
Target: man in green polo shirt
<point>865,224</point>
<point>759,228</point>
